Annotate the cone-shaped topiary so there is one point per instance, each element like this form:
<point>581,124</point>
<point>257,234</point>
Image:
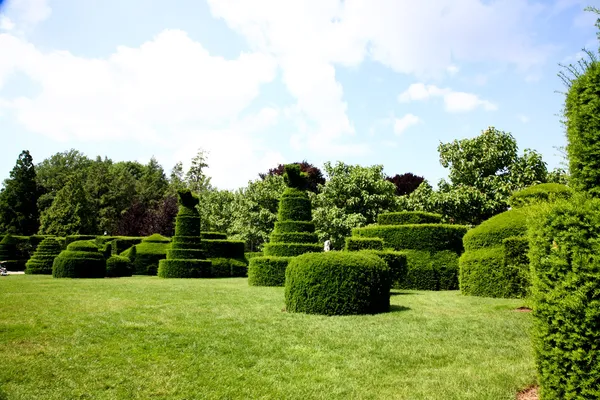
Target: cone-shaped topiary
<point>43,257</point>
<point>185,257</point>
<point>81,259</point>
<point>10,254</point>
<point>294,232</point>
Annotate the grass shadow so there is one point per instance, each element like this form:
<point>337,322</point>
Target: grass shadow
<point>397,308</point>
<point>402,293</point>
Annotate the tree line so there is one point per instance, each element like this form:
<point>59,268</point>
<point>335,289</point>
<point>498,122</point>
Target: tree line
<point>69,193</point>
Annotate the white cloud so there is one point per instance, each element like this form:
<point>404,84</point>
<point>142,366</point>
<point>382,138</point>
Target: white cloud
<point>401,124</point>
<point>523,118</point>
<point>452,69</point>
<point>454,101</point>
<point>25,14</point>
<point>6,24</point>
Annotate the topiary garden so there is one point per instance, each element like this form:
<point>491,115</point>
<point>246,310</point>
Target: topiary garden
<point>43,258</point>
<point>81,259</point>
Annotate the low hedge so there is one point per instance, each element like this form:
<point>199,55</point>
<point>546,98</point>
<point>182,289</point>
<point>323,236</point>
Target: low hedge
<point>213,235</point>
<point>267,271</point>
<point>293,237</point>
<point>545,192</point>
<point>184,268</point>
<point>337,283</point>
<point>290,249</point>
<point>227,267</point>
<point>408,218</point>
<point>493,231</point>
<point>220,248</point>
<point>565,266</point>
<point>251,254</point>
<point>118,266</point>
<point>294,226</point>
<point>396,262</point>
<point>363,243</point>
<point>74,238</point>
<point>515,250</point>
<point>81,259</point>
<point>13,258</point>
<point>429,237</point>
<point>122,243</point>
<point>446,266</point>
<point>43,257</point>
<point>420,273</point>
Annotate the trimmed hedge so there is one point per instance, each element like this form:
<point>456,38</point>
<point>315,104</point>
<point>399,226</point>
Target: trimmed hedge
<point>544,192</point>
<point>294,226</point>
<point>565,265</point>
<point>420,274</point>
<point>81,259</point>
<point>294,205</point>
<point>515,250</point>
<point>396,262</point>
<point>290,249</point>
<point>122,243</point>
<point>148,254</point>
<point>74,238</point>
<point>251,254</point>
<point>408,218</point>
<point>293,237</point>
<point>492,232</point>
<point>430,237</point>
<point>118,266</point>
<point>337,283</point>
<point>221,248</point>
<point>43,257</point>
<point>184,268</point>
<point>13,259</point>
<point>363,243</point>
<point>267,271</point>
<point>227,267</point>
<point>213,235</point>
<point>445,263</point>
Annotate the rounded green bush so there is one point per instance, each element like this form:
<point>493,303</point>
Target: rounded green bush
<point>81,259</point>
<point>294,208</point>
<point>493,231</point>
<point>358,243</point>
<point>76,238</point>
<point>156,238</point>
<point>267,271</point>
<point>337,283</point>
<point>184,268</point>
<point>408,217</point>
<point>421,274</point>
<point>43,257</point>
<point>544,192</point>
<point>118,266</point>
<point>290,249</point>
<point>148,253</point>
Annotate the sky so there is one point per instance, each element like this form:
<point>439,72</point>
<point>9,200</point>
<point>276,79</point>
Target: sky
<point>262,82</point>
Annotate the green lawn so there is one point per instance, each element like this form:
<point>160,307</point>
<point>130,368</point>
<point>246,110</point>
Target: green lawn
<point>151,338</point>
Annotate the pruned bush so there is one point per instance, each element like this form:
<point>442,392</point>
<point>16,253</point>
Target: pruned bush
<point>81,259</point>
<point>408,218</point>
<point>13,259</point>
<point>565,266</point>
<point>493,231</point>
<point>122,243</point>
<point>294,237</point>
<point>544,192</point>
<point>223,248</point>
<point>337,283</point>
<point>148,254</point>
<point>396,262</point>
<point>290,249</point>
<point>294,205</point>
<point>251,254</point>
<point>445,263</point>
<point>267,271</point>
<point>294,226</point>
<point>420,274</point>
<point>227,267</point>
<point>118,266</point>
<point>363,243</point>
<point>429,237</point>
<point>74,238</point>
<point>213,235</point>
<point>43,257</point>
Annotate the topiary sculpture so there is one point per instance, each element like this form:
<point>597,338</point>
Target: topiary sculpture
<point>12,258</point>
<point>81,259</point>
<point>43,257</point>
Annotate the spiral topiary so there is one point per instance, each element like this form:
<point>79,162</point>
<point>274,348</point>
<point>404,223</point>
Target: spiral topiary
<point>81,259</point>
<point>43,257</point>
<point>185,258</point>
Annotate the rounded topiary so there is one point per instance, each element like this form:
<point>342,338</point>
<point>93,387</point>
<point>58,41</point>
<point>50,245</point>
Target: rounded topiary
<point>148,254</point>
<point>544,192</point>
<point>408,217</point>
<point>185,258</point>
<point>118,266</point>
<point>12,259</point>
<point>493,231</point>
<point>337,283</point>
<point>267,271</point>
<point>81,259</point>
<point>357,243</point>
<point>43,257</point>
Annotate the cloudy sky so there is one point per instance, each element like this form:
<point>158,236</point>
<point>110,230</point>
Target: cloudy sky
<point>260,82</point>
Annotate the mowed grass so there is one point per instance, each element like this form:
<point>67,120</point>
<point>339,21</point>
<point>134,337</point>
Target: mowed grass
<point>152,338</point>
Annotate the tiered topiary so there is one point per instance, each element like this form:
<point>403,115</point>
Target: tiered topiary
<point>294,232</point>
<point>146,255</point>
<point>337,283</point>
<point>81,259</point>
<point>185,258</point>
<point>431,248</point>
<point>43,257</point>
<point>13,259</point>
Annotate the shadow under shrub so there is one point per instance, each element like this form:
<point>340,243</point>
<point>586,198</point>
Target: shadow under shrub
<point>337,283</point>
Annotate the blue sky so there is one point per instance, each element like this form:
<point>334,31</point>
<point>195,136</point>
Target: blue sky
<point>268,81</point>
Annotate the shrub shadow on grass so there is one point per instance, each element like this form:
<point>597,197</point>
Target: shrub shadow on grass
<point>397,308</point>
<point>402,293</point>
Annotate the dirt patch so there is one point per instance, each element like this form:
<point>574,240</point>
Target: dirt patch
<point>531,393</point>
<point>523,309</point>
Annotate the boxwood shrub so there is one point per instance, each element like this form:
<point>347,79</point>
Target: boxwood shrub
<point>267,271</point>
<point>396,262</point>
<point>43,257</point>
<point>213,235</point>
<point>290,249</point>
<point>544,192</point>
<point>251,254</point>
<point>420,274</point>
<point>565,265</point>
<point>408,218</point>
<point>294,205</point>
<point>337,283</point>
<point>81,259</point>
<point>122,243</point>
<point>13,257</point>
<point>294,226</point>
<point>445,263</point>
<point>358,243</point>
<point>74,238</point>
<point>429,237</point>
<point>223,248</point>
<point>293,237</point>
<point>228,267</point>
<point>118,266</point>
<point>148,253</point>
<point>491,232</point>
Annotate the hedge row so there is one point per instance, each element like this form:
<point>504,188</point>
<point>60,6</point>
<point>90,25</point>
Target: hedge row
<point>408,218</point>
<point>267,271</point>
<point>294,226</point>
<point>290,249</point>
<point>545,192</point>
<point>213,235</point>
<point>430,271</point>
<point>118,266</point>
<point>363,243</point>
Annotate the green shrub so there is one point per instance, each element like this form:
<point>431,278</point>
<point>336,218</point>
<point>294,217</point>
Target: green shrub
<point>122,243</point>
<point>515,250</point>
<point>251,254</point>
<point>294,205</point>
<point>74,238</point>
<point>294,226</point>
<point>396,262</point>
<point>420,274</point>
<point>544,192</point>
<point>184,268</point>
<point>363,243</point>
<point>34,241</point>
<point>294,237</point>
<point>148,254</point>
<point>565,266</point>
<point>429,237</point>
<point>222,248</point>
<point>13,259</point>
<point>43,257</point>
<point>408,218</point>
<point>445,263</point>
<point>337,283</point>
<point>290,249</point>
<point>267,271</point>
<point>213,235</point>
<point>81,259</point>
<point>493,231</point>
<point>118,266</point>
<point>156,238</point>
<point>227,267</point>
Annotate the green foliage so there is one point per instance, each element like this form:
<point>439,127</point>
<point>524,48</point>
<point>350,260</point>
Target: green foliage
<point>118,266</point>
<point>267,271</point>
<point>43,257</point>
<point>81,259</point>
<point>515,251</point>
<point>75,238</point>
<point>492,232</point>
<point>396,262</point>
<point>363,243</point>
<point>353,196</point>
<point>337,283</point>
<point>13,259</point>
<point>420,274</point>
<point>18,199</point>
<point>294,205</point>
<point>228,267</point>
<point>430,237</point>
<point>293,237</point>
<point>408,217</point>
<point>122,243</point>
<point>186,268</point>
<point>294,227</point>
<point>294,177</point>
<point>219,248</point>
<point>213,235</point>
<point>565,265</point>
<point>543,192</point>
<point>251,254</point>
<point>290,249</point>
<point>445,263</point>
<point>148,253</point>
